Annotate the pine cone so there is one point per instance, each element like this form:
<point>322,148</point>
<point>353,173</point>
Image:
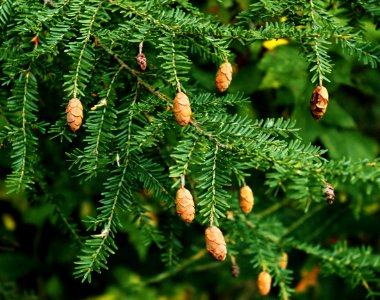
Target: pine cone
<point>329,193</point>
<point>264,282</point>
<point>318,102</point>
<point>182,109</point>
<point>283,262</point>
<point>141,61</point>
<point>235,270</point>
<point>246,199</point>
<point>215,243</point>
<point>185,205</point>
<point>223,77</point>
<point>74,114</point>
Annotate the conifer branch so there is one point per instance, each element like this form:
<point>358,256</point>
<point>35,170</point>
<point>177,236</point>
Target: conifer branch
<point>215,177</point>
<point>95,40</point>
<point>321,58</point>
<point>171,252</point>
<point>59,27</point>
<point>358,265</point>
<point>82,51</point>
<point>69,225</point>
<point>320,55</point>
<point>99,126</point>
<point>188,157</point>
<point>151,179</point>
<point>213,188</point>
<point>103,103</point>
<point>364,50</point>
<point>354,171</point>
<point>263,246</point>
<point>23,130</point>
<point>102,243</point>
<point>172,244</point>
<point>174,65</point>
<point>136,74</point>
<point>6,11</point>
<point>283,277</point>
<point>183,155</point>
<point>179,24</point>
<point>209,136</point>
<point>24,143</point>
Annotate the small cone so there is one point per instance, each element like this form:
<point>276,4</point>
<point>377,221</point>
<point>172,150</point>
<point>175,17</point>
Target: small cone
<point>182,109</point>
<point>329,193</point>
<point>215,243</point>
<point>283,262</point>
<point>223,77</point>
<point>246,199</point>
<point>264,283</point>
<point>235,270</point>
<point>318,102</point>
<point>141,61</point>
<point>185,205</point>
<point>74,114</point>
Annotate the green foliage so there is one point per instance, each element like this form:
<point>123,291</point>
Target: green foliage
<point>360,263</point>
<point>120,171</point>
<point>22,106</point>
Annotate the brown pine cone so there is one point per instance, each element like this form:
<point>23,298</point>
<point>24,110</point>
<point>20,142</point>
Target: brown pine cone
<point>264,282</point>
<point>215,243</point>
<point>185,205</point>
<point>246,199</point>
<point>182,109</point>
<point>329,193</point>
<point>318,102</point>
<point>74,114</point>
<point>141,61</point>
<point>235,270</point>
<point>223,77</point>
<point>283,262</point>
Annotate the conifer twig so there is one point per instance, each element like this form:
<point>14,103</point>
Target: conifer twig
<point>209,136</point>
<point>68,225</point>
<point>162,96</point>
<point>136,73</point>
